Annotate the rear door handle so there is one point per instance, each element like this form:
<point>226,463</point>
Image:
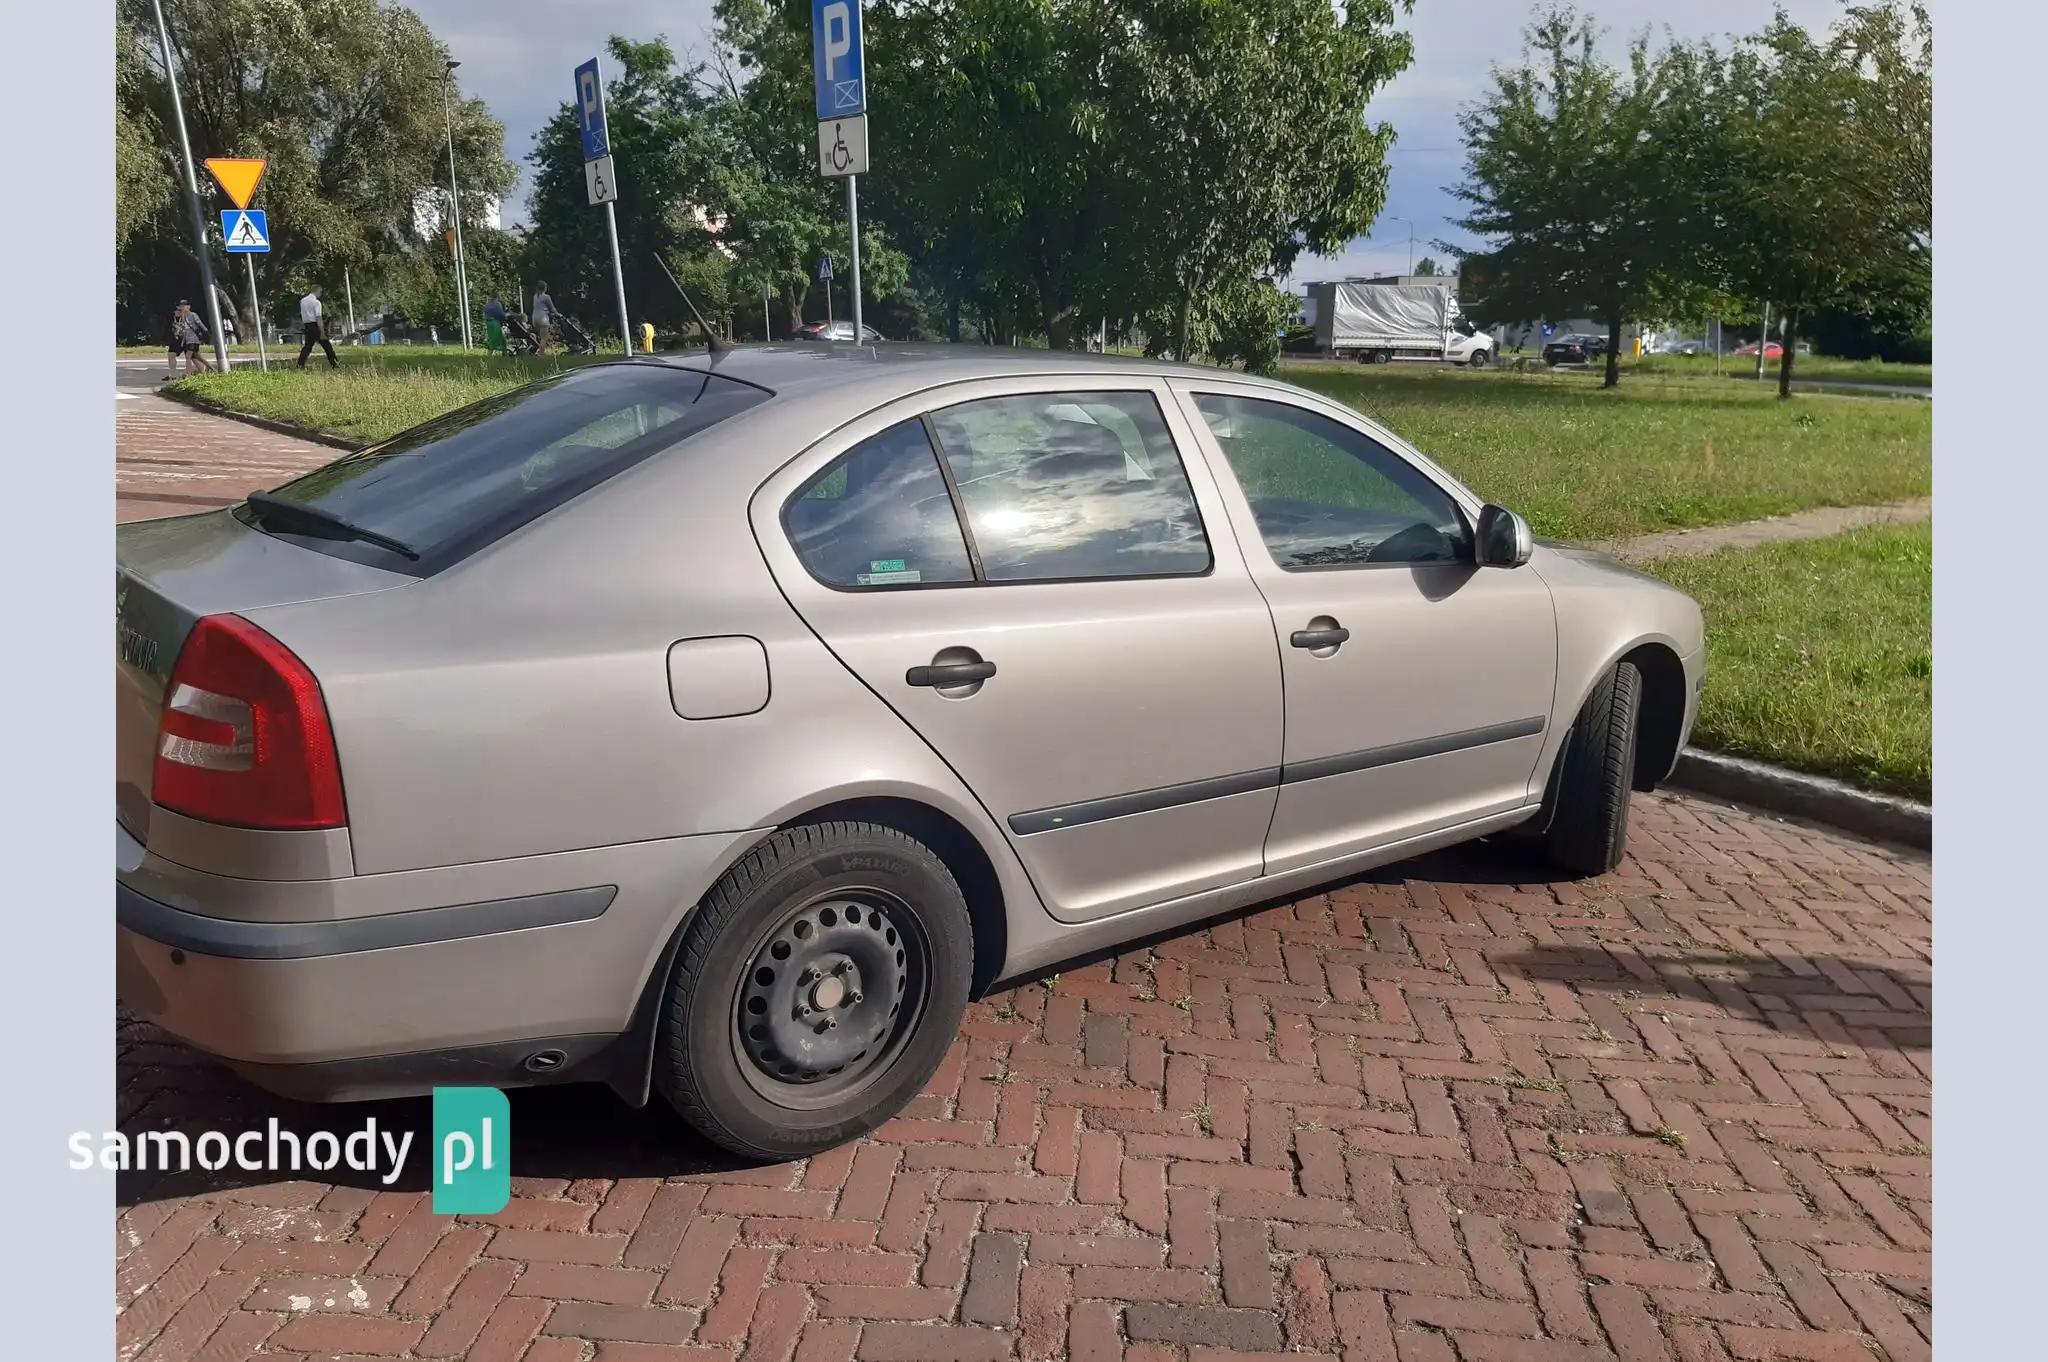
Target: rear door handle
<point>950,674</point>
<point>1320,638</point>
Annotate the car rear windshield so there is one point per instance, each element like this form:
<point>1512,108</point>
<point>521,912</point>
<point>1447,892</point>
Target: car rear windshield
<point>441,491</point>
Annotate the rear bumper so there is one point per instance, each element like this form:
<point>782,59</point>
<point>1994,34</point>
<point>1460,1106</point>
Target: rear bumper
<point>453,979</point>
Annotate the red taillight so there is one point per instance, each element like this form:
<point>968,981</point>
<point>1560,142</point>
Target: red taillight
<point>244,737</point>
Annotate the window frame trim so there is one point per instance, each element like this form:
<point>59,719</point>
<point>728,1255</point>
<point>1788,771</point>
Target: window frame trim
<point>783,486</point>
<point>1463,499</point>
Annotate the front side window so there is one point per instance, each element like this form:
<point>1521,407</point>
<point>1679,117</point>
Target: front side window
<point>1325,495</point>
<point>1064,486</point>
<point>879,516</point>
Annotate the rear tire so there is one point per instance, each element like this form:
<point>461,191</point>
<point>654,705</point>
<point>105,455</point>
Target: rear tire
<point>816,989</point>
<point>1589,826</point>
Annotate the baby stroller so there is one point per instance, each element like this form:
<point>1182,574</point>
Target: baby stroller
<point>572,336</point>
<point>519,337</point>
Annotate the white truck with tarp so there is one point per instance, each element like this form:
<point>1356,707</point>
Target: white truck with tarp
<point>1376,323</point>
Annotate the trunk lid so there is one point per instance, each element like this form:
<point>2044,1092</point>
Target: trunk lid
<point>168,574</point>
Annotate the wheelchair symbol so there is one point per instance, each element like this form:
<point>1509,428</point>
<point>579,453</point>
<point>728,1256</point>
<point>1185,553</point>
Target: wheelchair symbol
<point>842,155</point>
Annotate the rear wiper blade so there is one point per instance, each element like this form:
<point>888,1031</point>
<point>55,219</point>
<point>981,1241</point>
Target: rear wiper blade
<point>335,526</point>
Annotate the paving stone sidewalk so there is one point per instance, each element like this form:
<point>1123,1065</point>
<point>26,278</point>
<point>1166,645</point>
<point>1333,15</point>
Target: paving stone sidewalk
<point>170,459</point>
<point>1442,1113</point>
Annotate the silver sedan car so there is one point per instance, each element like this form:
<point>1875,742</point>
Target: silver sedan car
<point>718,725</point>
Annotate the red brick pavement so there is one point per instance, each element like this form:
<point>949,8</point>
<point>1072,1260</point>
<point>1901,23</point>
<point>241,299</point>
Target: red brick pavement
<point>1677,1114</point>
<point>172,460</point>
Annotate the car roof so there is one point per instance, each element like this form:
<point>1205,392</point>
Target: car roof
<point>883,372</point>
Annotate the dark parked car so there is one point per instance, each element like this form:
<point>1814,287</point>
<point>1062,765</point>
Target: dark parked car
<point>1579,348</point>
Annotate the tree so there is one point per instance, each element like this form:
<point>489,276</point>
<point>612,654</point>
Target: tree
<point>1827,149</point>
<point>1242,140</point>
<point>343,97</point>
<point>1426,267</point>
<point>1585,177</point>
<point>775,214</point>
<point>656,118</point>
<point>1247,323</point>
<point>143,187</point>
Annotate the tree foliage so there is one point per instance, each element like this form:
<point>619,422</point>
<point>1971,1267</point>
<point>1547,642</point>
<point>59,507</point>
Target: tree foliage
<point>1576,172</point>
<point>1788,171</point>
<point>1829,141</point>
<point>345,100</point>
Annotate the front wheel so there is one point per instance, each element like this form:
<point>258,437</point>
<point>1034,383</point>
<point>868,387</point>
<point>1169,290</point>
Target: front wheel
<point>1589,822</point>
<point>816,989</point>
<point>1479,359</point>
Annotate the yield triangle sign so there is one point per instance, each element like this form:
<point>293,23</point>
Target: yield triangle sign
<point>246,233</point>
<point>238,176</point>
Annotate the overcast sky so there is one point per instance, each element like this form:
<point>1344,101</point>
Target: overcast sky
<point>517,55</point>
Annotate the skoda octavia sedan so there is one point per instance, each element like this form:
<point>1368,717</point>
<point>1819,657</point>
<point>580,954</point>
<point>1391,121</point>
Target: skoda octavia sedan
<point>717,726</point>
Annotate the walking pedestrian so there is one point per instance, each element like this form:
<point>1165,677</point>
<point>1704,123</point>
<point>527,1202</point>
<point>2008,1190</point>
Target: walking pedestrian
<point>494,324</point>
<point>543,315</point>
<point>193,333</point>
<point>316,330</point>
<point>177,342</point>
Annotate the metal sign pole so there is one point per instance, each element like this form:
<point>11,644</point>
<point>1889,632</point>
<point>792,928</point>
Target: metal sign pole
<point>828,304</point>
<point>611,227</point>
<point>853,228</point>
<point>349,289</point>
<point>767,333</point>
<point>220,345</point>
<point>455,206</point>
<point>256,315</point>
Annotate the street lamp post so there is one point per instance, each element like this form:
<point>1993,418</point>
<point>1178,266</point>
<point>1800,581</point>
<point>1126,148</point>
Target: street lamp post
<point>455,205</point>
<point>220,345</point>
<point>1411,241</point>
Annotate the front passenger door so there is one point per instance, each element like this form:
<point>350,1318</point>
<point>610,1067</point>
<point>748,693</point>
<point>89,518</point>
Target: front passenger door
<point>1416,684</point>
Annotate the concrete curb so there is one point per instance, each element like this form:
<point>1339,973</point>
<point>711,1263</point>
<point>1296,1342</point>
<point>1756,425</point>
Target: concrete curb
<point>1774,789</point>
<point>297,432</point>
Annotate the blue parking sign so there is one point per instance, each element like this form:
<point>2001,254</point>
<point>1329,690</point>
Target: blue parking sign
<point>590,112</point>
<point>836,59</point>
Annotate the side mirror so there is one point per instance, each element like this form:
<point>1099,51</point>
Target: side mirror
<point>1502,539</point>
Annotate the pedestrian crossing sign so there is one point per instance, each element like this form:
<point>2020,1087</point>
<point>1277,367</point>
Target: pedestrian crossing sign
<point>246,230</point>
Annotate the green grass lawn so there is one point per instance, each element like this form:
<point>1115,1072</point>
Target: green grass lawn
<point>1816,367</point>
<point>377,392</point>
<point>1820,654</point>
<point>1583,462</point>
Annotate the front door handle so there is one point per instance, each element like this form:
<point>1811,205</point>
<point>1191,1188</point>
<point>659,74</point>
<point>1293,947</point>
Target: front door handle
<point>950,674</point>
<point>1320,638</point>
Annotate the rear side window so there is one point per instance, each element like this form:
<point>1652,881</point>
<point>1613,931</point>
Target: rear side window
<point>879,516</point>
<point>447,488</point>
<point>1065,486</point>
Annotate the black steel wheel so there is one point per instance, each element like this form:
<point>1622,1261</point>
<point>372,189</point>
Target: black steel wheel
<point>832,991</point>
<point>815,989</point>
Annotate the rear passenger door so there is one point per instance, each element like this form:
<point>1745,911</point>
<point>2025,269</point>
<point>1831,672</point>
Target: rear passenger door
<point>1041,585</point>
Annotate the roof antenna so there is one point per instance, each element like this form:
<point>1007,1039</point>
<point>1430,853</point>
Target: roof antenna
<point>712,344</point>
